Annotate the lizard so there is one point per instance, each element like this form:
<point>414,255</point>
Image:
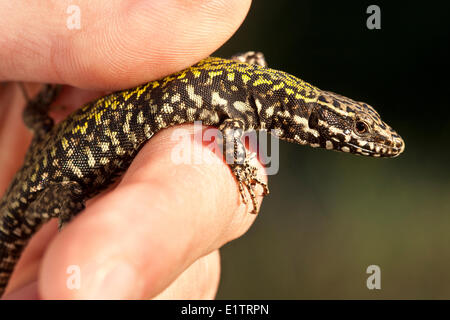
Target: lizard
<point>72,161</point>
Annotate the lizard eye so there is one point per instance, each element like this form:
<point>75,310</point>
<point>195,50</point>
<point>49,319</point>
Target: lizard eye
<point>361,127</point>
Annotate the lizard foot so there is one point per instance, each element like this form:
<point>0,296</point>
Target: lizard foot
<point>247,177</point>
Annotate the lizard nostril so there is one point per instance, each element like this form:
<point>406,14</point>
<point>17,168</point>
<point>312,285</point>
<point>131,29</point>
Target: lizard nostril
<point>399,144</point>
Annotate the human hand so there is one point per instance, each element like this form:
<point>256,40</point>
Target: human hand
<point>156,233</point>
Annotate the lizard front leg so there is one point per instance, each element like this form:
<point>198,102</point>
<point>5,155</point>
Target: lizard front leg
<point>239,162</point>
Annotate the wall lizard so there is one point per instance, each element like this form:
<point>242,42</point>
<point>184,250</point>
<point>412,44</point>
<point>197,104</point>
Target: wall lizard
<point>79,157</point>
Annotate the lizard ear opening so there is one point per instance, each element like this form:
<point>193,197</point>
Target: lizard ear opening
<point>313,121</point>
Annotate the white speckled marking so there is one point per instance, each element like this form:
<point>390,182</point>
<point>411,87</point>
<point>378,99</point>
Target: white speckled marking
<point>241,106</point>
<point>193,96</point>
<point>217,100</point>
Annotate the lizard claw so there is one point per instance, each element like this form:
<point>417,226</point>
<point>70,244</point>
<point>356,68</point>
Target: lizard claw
<point>247,177</point>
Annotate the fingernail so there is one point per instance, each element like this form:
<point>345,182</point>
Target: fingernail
<point>114,280</point>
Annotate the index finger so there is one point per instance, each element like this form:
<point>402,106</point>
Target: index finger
<point>135,240</point>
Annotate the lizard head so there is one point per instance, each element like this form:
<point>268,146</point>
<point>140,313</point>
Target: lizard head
<point>351,126</point>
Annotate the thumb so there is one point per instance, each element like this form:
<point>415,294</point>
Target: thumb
<point>111,44</point>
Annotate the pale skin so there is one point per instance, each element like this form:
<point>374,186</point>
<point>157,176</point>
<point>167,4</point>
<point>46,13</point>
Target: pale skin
<point>157,232</point>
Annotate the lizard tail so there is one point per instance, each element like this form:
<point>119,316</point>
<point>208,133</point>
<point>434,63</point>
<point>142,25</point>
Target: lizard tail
<point>11,246</point>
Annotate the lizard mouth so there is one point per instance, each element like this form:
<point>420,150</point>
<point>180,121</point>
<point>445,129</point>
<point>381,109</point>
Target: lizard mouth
<point>378,150</point>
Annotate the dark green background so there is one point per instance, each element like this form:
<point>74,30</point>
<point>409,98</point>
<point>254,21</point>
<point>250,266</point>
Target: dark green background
<point>330,214</point>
